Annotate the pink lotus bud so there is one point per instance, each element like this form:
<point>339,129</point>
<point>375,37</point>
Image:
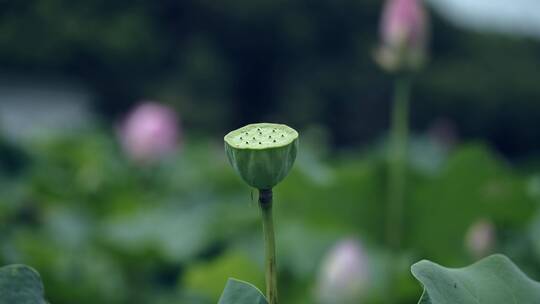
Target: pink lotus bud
<point>344,274</point>
<point>480,238</point>
<point>150,132</point>
<point>444,133</point>
<point>404,34</point>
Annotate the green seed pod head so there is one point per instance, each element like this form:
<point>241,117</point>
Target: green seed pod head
<point>262,153</point>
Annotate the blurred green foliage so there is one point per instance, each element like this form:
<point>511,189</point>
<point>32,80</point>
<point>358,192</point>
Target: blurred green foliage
<point>300,63</point>
<point>101,229</point>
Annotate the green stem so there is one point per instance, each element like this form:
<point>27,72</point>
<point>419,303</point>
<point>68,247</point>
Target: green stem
<point>397,166</point>
<point>265,202</point>
<point>397,175</point>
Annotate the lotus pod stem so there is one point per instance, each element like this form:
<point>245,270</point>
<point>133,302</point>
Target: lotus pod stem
<point>265,203</point>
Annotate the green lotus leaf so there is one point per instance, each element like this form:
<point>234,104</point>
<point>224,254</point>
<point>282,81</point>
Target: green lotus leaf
<point>239,292</point>
<point>493,280</point>
<point>20,284</point>
<point>263,153</point>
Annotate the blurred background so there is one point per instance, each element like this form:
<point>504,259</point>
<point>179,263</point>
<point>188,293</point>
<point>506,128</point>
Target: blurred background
<point>113,180</point>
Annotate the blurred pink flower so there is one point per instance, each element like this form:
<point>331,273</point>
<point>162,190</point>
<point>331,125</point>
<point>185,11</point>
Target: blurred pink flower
<point>344,274</point>
<point>150,132</point>
<point>443,132</point>
<point>480,238</point>
<point>404,35</point>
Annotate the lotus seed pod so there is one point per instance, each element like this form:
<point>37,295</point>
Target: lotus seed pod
<point>344,275</point>
<point>480,238</point>
<point>263,153</point>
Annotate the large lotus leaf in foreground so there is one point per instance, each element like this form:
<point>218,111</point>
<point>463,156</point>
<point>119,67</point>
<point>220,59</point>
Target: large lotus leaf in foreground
<point>493,280</point>
<point>21,285</point>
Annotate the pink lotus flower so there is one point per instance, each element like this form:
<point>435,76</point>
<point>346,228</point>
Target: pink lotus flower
<point>150,132</point>
<point>344,274</point>
<point>480,238</point>
<point>404,35</point>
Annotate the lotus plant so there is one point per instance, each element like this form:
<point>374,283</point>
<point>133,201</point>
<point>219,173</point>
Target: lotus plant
<point>404,39</point>
<point>262,154</point>
<point>402,52</point>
